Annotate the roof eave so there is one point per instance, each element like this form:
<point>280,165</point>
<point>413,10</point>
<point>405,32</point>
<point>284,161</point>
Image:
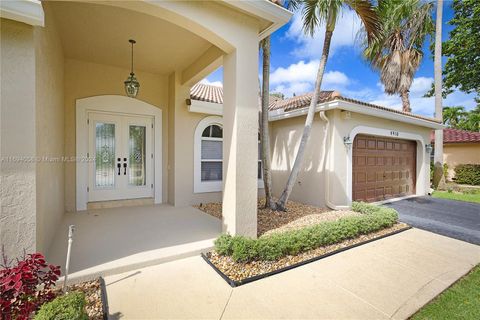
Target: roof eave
<point>357,108</point>
<point>265,10</point>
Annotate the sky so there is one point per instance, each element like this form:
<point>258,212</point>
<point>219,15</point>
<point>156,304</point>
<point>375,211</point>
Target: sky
<point>295,56</point>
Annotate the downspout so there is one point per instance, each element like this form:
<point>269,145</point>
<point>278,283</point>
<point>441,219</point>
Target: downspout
<point>324,162</point>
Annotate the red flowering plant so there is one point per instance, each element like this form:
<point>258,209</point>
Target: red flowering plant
<point>26,286</point>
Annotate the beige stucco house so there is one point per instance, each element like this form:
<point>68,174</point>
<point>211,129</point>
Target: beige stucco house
<point>71,138</point>
<point>357,151</point>
<point>459,147</point>
<point>72,141</point>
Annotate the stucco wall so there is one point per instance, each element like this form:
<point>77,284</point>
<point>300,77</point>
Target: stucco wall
<point>85,79</point>
<point>460,153</point>
<point>285,140</point>
<point>182,124</point>
<point>49,131</point>
<point>310,186</point>
<point>17,138</point>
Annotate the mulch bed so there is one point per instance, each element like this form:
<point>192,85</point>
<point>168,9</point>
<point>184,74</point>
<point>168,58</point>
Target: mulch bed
<point>242,272</point>
<point>93,295</point>
<point>297,216</point>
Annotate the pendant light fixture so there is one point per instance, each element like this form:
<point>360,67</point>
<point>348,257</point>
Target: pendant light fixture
<point>131,84</point>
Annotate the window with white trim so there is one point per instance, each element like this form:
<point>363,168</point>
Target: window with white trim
<point>208,156</point>
<point>211,157</point>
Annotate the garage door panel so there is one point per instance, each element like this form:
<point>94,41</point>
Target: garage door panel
<point>382,168</point>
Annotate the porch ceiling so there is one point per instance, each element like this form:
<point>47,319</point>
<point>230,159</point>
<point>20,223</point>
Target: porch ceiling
<point>100,33</point>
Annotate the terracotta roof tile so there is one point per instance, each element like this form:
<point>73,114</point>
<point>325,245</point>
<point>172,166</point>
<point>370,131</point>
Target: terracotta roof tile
<point>458,136</point>
<point>208,93</point>
<point>203,92</point>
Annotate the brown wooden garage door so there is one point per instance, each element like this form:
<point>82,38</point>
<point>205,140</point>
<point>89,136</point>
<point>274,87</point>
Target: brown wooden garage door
<point>383,168</point>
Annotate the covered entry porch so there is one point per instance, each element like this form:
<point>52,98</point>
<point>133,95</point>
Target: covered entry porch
<point>109,241</point>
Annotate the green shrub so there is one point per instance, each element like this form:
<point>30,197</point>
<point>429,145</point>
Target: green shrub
<point>67,307</point>
<point>468,174</point>
<point>445,171</point>
<point>277,245</point>
<point>223,244</point>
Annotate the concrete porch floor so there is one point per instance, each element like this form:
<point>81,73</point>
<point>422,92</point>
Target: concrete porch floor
<point>109,241</point>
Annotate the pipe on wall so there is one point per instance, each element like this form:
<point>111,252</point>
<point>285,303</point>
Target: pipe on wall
<point>324,161</point>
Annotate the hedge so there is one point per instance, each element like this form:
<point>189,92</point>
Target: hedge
<point>468,174</point>
<point>67,307</point>
<point>277,245</point>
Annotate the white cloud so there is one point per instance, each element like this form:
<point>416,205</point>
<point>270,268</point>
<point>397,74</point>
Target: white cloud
<point>300,77</point>
<point>419,104</point>
<point>345,33</point>
<point>421,85</point>
<point>211,83</point>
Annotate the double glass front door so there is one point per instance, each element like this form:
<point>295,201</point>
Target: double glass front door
<point>122,164</point>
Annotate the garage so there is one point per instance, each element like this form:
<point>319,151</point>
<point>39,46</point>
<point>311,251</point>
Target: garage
<point>383,168</point>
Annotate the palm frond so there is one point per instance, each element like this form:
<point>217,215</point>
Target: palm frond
<point>365,11</point>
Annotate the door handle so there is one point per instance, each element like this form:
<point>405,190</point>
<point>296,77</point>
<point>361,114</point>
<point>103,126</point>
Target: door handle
<point>125,168</point>
<point>119,166</point>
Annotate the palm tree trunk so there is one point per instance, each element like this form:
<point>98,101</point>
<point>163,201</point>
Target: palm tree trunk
<point>282,202</point>
<point>438,177</point>
<point>405,101</point>
<point>265,136</point>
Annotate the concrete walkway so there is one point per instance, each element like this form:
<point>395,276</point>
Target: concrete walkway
<point>388,278</point>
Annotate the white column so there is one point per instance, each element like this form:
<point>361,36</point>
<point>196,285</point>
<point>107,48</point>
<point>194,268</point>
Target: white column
<point>240,145</point>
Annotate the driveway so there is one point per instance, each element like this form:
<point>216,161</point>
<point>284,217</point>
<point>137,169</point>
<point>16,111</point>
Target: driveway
<point>456,219</point>
<point>388,278</point>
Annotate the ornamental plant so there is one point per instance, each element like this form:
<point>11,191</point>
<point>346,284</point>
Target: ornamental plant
<point>274,246</point>
<point>26,286</point>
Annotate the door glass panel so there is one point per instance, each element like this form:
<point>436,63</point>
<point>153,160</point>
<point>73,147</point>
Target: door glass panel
<point>136,155</point>
<point>104,155</point>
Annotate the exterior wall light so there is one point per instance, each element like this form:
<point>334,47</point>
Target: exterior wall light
<point>131,84</point>
<point>348,142</point>
<point>428,148</point>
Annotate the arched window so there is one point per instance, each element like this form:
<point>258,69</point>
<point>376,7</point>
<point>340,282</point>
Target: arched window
<point>208,156</point>
<point>211,157</point>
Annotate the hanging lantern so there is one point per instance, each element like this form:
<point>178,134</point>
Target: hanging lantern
<point>131,84</point>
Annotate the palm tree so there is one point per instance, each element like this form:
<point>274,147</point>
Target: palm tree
<point>453,116</point>
<point>265,136</point>
<point>397,51</point>
<point>316,12</point>
<point>438,176</point>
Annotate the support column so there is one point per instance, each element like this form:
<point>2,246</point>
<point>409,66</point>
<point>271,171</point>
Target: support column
<point>240,134</point>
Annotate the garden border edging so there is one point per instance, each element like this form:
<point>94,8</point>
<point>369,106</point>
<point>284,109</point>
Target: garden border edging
<point>235,283</point>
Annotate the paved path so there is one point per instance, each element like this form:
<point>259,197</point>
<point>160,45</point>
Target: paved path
<point>388,278</point>
<point>456,219</point>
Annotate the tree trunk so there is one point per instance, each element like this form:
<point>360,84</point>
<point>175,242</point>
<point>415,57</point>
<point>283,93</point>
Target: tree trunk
<point>282,202</point>
<point>438,176</point>
<point>265,136</point>
<point>405,101</point>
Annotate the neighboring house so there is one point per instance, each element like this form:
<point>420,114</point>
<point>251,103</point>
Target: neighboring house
<point>459,147</point>
<point>72,140</point>
<point>357,151</point>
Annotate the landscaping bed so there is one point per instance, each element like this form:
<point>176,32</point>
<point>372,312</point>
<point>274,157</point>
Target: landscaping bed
<point>94,306</point>
<point>240,260</point>
<point>297,216</point>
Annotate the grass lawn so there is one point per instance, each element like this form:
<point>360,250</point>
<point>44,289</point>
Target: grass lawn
<point>468,197</point>
<point>460,301</point>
